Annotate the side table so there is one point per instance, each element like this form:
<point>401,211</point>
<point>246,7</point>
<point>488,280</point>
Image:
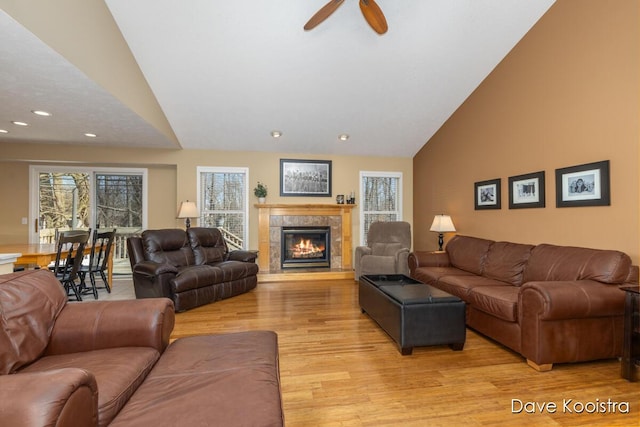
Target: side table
<point>631,349</point>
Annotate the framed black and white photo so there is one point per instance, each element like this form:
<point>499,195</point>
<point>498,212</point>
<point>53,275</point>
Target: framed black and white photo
<point>527,191</point>
<point>583,185</point>
<point>487,194</point>
<point>305,178</point>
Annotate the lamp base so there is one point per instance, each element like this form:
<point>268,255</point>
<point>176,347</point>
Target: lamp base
<point>440,241</point>
<point>187,222</point>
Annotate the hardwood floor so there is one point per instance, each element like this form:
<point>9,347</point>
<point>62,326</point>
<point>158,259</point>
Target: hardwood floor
<point>338,368</point>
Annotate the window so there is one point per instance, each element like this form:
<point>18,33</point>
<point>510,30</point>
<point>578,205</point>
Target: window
<point>65,198</point>
<point>381,199</point>
<point>223,202</point>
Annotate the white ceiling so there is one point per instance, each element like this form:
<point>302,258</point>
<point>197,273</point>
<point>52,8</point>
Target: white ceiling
<point>227,73</point>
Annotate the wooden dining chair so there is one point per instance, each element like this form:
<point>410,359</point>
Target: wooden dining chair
<point>70,252</point>
<point>97,262</point>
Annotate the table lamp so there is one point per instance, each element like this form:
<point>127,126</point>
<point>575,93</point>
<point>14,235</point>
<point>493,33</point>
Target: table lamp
<point>442,224</point>
<point>188,210</point>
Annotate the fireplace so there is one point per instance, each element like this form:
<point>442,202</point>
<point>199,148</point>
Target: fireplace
<point>304,247</point>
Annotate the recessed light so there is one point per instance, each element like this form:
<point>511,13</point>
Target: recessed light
<point>276,133</point>
<point>4,131</point>
<point>41,113</point>
<point>343,137</point>
<point>20,123</point>
<point>91,135</point>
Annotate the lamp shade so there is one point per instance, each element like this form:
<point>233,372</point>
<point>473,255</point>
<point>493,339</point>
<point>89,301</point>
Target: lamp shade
<point>442,224</point>
<point>188,210</point>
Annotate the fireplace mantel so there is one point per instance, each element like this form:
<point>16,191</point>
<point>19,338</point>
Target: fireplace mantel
<point>268,210</point>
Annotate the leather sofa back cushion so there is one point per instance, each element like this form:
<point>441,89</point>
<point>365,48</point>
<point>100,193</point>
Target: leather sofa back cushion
<point>207,244</point>
<point>169,246</point>
<point>386,249</point>
<point>506,261</point>
<point>549,262</point>
<point>30,302</point>
<point>468,253</point>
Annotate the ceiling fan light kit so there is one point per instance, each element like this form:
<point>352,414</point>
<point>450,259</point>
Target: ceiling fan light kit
<point>370,10</point>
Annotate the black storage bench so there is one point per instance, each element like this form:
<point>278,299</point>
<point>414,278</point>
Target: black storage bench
<point>412,313</point>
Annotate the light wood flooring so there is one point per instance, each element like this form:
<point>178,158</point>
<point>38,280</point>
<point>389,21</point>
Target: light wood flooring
<point>338,368</point>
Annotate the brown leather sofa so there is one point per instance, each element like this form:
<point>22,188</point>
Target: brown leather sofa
<point>552,304</point>
<point>191,268</point>
<point>101,363</point>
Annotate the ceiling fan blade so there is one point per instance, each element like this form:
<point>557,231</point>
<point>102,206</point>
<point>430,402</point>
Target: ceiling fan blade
<point>323,14</point>
<point>374,16</point>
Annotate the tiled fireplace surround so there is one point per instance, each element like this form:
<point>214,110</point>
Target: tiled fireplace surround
<point>272,217</point>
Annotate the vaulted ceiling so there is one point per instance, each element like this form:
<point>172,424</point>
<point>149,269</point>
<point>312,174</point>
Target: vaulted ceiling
<point>213,74</point>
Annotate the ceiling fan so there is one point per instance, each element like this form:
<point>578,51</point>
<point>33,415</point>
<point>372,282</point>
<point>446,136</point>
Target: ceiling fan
<point>369,8</point>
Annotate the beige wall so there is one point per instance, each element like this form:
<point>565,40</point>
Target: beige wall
<point>566,95</point>
<point>173,178</point>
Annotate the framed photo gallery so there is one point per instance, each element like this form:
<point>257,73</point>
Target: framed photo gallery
<point>581,185</point>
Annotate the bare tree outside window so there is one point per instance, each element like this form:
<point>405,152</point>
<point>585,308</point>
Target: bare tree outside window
<point>380,194</point>
<point>223,196</point>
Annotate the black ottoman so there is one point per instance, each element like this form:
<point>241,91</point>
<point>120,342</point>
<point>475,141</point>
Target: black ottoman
<point>412,313</point>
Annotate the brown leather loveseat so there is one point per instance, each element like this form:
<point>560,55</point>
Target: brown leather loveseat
<point>552,304</point>
<point>191,268</point>
<point>101,363</point>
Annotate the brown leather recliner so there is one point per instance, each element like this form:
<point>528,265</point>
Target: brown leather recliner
<point>191,268</point>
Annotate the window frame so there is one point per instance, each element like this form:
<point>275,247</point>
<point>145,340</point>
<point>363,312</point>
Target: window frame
<point>225,169</point>
<point>363,213</point>
<point>34,185</point>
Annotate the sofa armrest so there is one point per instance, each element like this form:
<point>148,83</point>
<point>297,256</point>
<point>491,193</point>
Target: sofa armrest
<point>359,253</point>
<point>94,325</point>
<point>555,300</point>
<point>152,269</point>
<point>241,255</point>
<point>428,259</point>
<point>402,261</point>
<point>60,397</point>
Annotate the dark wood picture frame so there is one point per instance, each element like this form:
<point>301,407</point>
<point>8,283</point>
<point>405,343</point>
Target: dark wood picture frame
<point>583,185</point>
<point>487,194</point>
<point>299,178</point>
<point>527,191</point>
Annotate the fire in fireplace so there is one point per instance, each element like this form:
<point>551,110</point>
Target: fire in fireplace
<point>304,247</point>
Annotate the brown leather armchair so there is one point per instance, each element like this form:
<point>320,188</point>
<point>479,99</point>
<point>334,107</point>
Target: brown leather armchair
<point>191,268</point>
<point>387,250</point>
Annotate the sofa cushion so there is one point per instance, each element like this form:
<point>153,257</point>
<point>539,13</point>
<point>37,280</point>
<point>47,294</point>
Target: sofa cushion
<point>196,276</point>
<point>236,270</point>
<point>375,264</point>
<point>30,302</point>
<point>118,373</point>
<point>207,244</point>
<point>461,285</point>
<point>553,263</point>
<point>499,301</point>
<point>468,253</point>
<point>505,262</point>
<point>168,246</point>
<point>235,376</point>
<point>431,275</point>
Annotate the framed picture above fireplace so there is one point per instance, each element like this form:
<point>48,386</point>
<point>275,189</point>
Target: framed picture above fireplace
<point>305,178</point>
